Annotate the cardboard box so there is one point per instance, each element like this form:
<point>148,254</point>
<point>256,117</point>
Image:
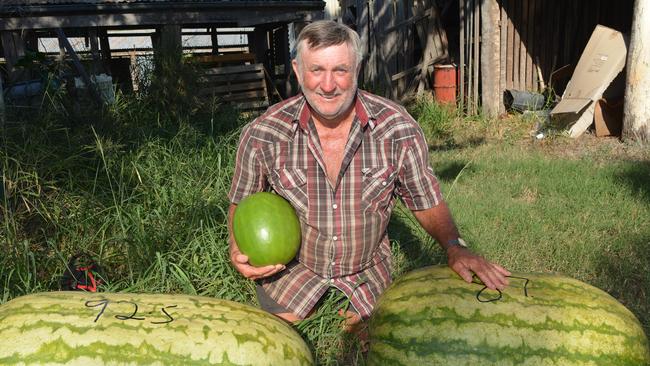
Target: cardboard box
<point>601,61</point>
<point>608,117</point>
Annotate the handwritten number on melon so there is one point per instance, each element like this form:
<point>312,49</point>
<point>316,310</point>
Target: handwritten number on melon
<point>96,303</point>
<point>104,303</point>
<point>480,293</point>
<point>132,316</point>
<point>171,319</point>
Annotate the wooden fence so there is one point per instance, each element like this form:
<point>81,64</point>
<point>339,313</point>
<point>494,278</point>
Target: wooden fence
<point>541,41</point>
<point>243,85</point>
<point>402,40</point>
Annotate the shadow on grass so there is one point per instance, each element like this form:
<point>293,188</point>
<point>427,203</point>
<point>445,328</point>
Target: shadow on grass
<point>448,144</point>
<point>415,248</point>
<point>448,171</point>
<point>624,272</point>
<point>637,176</point>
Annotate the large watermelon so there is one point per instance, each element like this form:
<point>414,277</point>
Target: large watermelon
<point>432,317</point>
<point>77,328</point>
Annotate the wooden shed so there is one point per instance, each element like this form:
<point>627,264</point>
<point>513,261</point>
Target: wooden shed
<point>265,25</point>
<point>402,40</point>
<point>495,45</point>
<point>525,42</point>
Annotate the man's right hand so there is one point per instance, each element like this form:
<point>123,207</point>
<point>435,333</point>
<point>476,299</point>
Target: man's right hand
<point>240,261</point>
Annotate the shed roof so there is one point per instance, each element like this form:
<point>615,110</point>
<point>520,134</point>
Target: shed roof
<point>15,3</point>
<point>40,14</point>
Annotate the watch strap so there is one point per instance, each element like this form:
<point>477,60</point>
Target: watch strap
<point>458,242</point>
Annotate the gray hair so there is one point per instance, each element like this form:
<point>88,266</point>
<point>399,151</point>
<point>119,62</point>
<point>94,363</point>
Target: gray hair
<point>326,33</point>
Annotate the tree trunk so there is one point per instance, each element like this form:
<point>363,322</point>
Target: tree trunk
<point>636,121</point>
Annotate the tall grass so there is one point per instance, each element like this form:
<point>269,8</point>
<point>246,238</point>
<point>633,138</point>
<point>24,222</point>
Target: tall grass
<point>144,193</point>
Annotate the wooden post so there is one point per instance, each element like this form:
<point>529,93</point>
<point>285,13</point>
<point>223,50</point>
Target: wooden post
<point>104,49</point>
<point>386,44</point>
<point>63,40</point>
<point>2,105</point>
<point>469,14</point>
<point>475,57</point>
<point>364,32</point>
<point>214,40</point>
<point>636,111</point>
<point>259,44</point>
<point>14,48</point>
<point>431,52</point>
<point>94,50</point>
<point>372,70</point>
<point>286,55</point>
<point>523,44</point>
<point>461,66</point>
<point>401,47</point>
<point>490,60</point>
<point>170,40</point>
<point>503,48</point>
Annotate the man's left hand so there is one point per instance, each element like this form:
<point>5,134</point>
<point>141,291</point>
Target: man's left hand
<point>464,262</point>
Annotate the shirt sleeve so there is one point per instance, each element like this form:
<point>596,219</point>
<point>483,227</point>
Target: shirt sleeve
<point>419,187</point>
<point>248,177</point>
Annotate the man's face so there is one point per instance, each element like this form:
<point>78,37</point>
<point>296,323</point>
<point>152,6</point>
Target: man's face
<point>328,78</point>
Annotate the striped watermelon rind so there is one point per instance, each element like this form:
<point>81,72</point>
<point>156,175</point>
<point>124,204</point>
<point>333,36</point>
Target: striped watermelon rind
<point>70,328</point>
<point>431,316</point>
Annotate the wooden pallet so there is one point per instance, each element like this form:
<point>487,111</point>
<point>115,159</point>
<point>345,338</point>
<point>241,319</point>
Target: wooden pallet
<point>225,59</point>
<point>244,85</point>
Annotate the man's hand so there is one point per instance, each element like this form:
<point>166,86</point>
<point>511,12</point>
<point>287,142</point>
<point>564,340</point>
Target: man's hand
<point>437,221</point>
<point>240,261</point>
<point>464,262</point>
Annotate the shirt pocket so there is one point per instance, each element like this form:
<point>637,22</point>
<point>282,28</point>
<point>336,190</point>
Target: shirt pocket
<point>290,183</point>
<point>378,185</point>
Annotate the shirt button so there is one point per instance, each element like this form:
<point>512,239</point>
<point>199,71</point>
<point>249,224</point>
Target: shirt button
<point>335,206</point>
<point>333,263</point>
<point>335,238</point>
<point>383,183</point>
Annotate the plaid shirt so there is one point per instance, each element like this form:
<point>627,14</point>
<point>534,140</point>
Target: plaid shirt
<point>344,239</point>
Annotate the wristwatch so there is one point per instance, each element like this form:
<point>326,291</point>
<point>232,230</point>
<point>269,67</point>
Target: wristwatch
<point>456,242</point>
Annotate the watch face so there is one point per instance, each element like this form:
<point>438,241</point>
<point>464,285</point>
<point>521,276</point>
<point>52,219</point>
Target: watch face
<point>462,243</point>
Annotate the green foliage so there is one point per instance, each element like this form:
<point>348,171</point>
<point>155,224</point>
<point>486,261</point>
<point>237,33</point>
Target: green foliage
<point>435,119</point>
<point>171,87</point>
<point>323,330</point>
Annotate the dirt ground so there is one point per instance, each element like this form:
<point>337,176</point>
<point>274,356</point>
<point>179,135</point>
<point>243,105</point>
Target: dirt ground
<point>590,146</point>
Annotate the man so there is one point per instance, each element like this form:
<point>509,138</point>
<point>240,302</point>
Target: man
<point>341,156</point>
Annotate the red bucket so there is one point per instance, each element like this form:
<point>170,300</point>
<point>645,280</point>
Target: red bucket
<point>444,83</point>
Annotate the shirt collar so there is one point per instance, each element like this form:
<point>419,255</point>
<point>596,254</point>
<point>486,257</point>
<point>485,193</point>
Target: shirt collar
<point>363,113</point>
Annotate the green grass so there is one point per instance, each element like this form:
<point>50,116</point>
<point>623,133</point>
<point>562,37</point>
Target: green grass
<point>533,212</point>
<point>145,194</point>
